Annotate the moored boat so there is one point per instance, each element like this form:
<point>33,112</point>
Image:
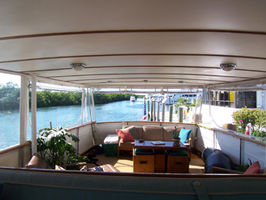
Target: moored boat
<point>132,98</point>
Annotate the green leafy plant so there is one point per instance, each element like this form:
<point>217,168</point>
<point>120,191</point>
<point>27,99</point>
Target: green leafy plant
<point>54,148</point>
<point>184,102</point>
<point>255,117</point>
<point>260,120</point>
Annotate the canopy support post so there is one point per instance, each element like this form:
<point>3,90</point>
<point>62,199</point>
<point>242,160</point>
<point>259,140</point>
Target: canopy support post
<point>23,109</point>
<point>33,116</point>
<point>93,105</point>
<point>158,112</point>
<point>23,117</point>
<point>82,106</point>
<point>163,112</point>
<point>89,101</point>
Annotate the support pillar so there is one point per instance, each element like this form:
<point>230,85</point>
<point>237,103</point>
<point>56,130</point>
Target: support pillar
<point>158,112</point>
<point>152,102</point>
<point>154,111</point>
<point>89,100</point>
<point>181,112</point>
<point>23,109</point>
<point>171,113</point>
<point>92,129</point>
<point>23,117</point>
<point>82,106</point>
<point>163,112</point>
<point>33,116</point>
<point>93,105</point>
<point>149,115</point>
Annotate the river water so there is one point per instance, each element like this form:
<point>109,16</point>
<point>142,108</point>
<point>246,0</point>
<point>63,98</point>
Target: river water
<point>66,116</point>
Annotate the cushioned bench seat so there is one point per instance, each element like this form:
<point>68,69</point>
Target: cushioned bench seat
<point>128,135</point>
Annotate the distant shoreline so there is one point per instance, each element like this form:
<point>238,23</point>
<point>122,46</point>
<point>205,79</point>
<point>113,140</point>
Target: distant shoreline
<point>10,98</point>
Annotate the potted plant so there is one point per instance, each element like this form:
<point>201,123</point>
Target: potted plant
<point>54,148</point>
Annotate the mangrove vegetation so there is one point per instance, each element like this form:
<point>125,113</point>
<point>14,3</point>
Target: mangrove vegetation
<point>10,97</point>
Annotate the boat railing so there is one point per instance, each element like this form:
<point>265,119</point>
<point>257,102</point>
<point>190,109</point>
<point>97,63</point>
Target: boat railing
<point>239,148</point>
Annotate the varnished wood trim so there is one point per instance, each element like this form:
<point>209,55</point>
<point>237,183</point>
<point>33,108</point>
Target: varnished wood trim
<point>16,147</point>
<point>143,122</point>
<point>80,126</point>
<point>131,54</point>
<point>115,122</point>
<point>157,175</point>
<point>180,123</point>
<point>157,122</point>
<point>141,66</point>
<point>162,74</point>
<point>131,31</point>
<point>147,122</point>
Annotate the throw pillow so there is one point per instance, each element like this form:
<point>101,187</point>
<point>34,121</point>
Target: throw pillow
<point>125,135</point>
<point>254,168</point>
<point>184,135</point>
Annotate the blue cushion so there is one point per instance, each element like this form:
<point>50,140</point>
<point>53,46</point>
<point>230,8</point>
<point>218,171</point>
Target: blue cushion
<point>143,151</point>
<point>184,135</point>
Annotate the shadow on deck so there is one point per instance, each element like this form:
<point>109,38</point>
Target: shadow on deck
<point>125,163</point>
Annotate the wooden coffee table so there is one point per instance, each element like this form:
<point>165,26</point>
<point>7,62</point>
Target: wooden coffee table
<point>159,147</point>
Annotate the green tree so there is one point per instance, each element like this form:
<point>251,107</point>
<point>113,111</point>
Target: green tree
<point>9,96</point>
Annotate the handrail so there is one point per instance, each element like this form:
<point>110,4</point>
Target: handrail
<point>82,125</point>
<point>18,146</point>
<point>151,122</point>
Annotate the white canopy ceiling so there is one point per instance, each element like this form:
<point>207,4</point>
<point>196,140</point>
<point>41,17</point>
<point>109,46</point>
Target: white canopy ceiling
<point>135,44</point>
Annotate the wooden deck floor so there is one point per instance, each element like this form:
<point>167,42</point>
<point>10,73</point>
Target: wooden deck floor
<point>125,163</point>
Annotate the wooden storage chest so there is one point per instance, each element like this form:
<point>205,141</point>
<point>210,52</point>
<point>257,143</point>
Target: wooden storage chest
<point>143,163</point>
<point>177,164</point>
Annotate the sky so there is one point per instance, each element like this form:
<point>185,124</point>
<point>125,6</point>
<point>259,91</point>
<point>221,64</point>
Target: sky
<point>5,78</point>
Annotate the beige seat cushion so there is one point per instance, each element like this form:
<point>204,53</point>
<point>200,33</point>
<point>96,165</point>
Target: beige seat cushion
<point>139,132</point>
<point>153,132</point>
<point>169,132</point>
